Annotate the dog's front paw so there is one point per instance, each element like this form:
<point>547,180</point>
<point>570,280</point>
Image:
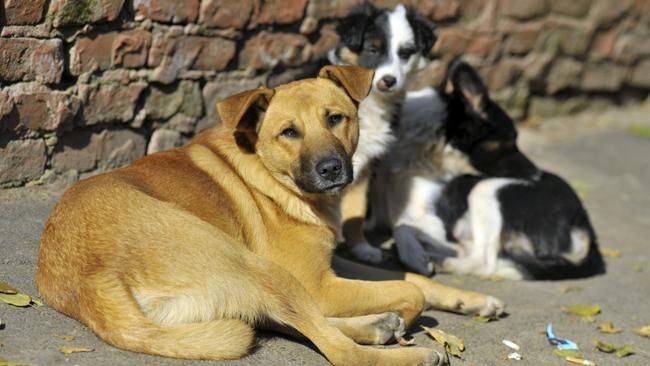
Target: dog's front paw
<point>388,327</point>
<point>366,253</point>
<point>483,305</point>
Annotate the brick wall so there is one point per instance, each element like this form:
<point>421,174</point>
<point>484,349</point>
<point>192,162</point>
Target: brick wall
<point>90,85</point>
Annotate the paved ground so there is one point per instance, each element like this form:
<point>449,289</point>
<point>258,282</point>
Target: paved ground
<point>596,152</point>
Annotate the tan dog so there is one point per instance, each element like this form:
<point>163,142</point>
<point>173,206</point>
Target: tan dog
<point>182,253</point>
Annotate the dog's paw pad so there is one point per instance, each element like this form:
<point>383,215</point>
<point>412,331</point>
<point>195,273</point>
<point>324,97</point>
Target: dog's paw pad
<point>389,327</point>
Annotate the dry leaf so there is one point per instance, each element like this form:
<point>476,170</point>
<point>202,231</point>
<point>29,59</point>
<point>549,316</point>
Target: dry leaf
<point>37,302</point>
<point>644,331</point>
<point>640,131</point>
<point>582,310</point>
<point>406,342</point>
<point>66,338</point>
<point>68,350</point>
<point>454,345</point>
<point>580,361</point>
<point>604,347</point>
<point>485,319</point>
<point>5,288</point>
<point>608,328</point>
<point>4,362</point>
<point>564,353</point>
<point>17,299</point>
<point>637,268</point>
<point>624,351</point>
<point>608,252</point>
<point>569,288</point>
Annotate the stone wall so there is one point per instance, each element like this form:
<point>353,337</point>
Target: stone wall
<point>90,85</point>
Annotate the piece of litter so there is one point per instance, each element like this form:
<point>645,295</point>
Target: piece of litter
<point>514,356</point>
<point>608,328</point>
<point>604,347</point>
<point>561,343</point>
<point>624,351</point>
<point>454,345</point>
<point>511,344</point>
<point>6,288</point>
<point>580,361</point>
<point>406,342</point>
<point>564,353</point>
<point>66,338</point>
<point>68,350</point>
<point>637,268</point>
<point>644,331</point>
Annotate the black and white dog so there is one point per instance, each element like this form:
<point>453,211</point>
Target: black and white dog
<point>395,44</point>
<point>456,190</point>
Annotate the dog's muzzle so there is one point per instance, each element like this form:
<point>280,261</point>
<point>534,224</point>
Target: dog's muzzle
<point>329,174</point>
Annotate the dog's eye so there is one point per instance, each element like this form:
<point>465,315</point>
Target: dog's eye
<point>334,119</point>
<point>290,132</point>
<point>373,50</point>
<point>405,53</point>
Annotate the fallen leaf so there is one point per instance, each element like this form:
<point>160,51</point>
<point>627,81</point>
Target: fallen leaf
<point>569,288</point>
<point>608,328</point>
<point>68,350</point>
<point>454,345</point>
<point>604,347</point>
<point>624,351</point>
<point>637,268</point>
<point>608,252</point>
<point>640,131</point>
<point>4,362</point>
<point>582,188</point>
<point>564,353</point>
<point>485,319</point>
<point>17,299</point>
<point>406,342</point>
<point>580,361</point>
<point>582,310</point>
<point>5,288</point>
<point>37,302</point>
<point>66,338</point>
<point>644,331</point>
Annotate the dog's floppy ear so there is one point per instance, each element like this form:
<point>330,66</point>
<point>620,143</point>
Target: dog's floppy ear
<point>241,111</point>
<point>356,80</point>
<point>467,84</point>
<point>423,30</point>
<point>352,28</point>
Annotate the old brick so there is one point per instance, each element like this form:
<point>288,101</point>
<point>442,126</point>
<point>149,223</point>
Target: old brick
<point>523,40</point>
<point>565,73</point>
<point>603,45</point>
<point>631,47</point>
<point>441,9</point>
<point>77,12</point>
<point>78,150</point>
<point>603,77</point>
<point>172,54</point>
<point>535,66</point>
<point>566,35</point>
<point>604,12</point>
<point>640,76</point>
<point>103,103</point>
<point>502,74</point>
<point>119,148</point>
<point>163,139</point>
<point>21,161</point>
<point>21,12</point>
<point>483,45</point>
<point>328,39</point>
<point>544,107</point>
<point>573,8</point>
<point>164,101</point>
<point>105,50</point>
<point>167,11</point>
<point>332,8</point>
<point>214,92</point>
<point>6,104</point>
<point>40,108</point>
<point>451,42</point>
<point>26,59</point>
<point>266,50</point>
<point>225,13</point>
<point>523,9</point>
<point>279,12</point>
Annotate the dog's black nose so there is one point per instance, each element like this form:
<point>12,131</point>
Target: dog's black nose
<point>389,81</point>
<point>329,168</point>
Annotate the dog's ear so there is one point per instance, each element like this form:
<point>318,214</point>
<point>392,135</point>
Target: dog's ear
<point>356,80</point>
<point>242,111</point>
<point>352,28</point>
<point>467,84</point>
<point>423,30</point>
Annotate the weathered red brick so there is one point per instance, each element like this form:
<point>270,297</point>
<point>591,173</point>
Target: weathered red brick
<point>331,9</point>
<point>111,102</point>
<point>571,36</point>
<point>267,50</point>
<point>640,76</point>
<point>21,161</point>
<point>328,39</point>
<point>105,50</point>
<point>451,42</point>
<point>77,150</point>
<point>279,12</point>
<point>523,40</point>
<point>565,73</point>
<point>26,59</point>
<point>604,12</point>
<point>523,9</point>
<point>226,13</point>
<point>77,12</point>
<point>164,139</point>
<point>603,46</point>
<point>167,11</point>
<point>119,148</point>
<point>483,45</point>
<point>437,10</point>
<point>502,74</point>
<point>605,76</point>
<point>40,108</point>
<point>573,8</point>
<point>21,12</point>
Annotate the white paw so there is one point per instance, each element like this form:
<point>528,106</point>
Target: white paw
<point>493,307</point>
<point>366,253</point>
